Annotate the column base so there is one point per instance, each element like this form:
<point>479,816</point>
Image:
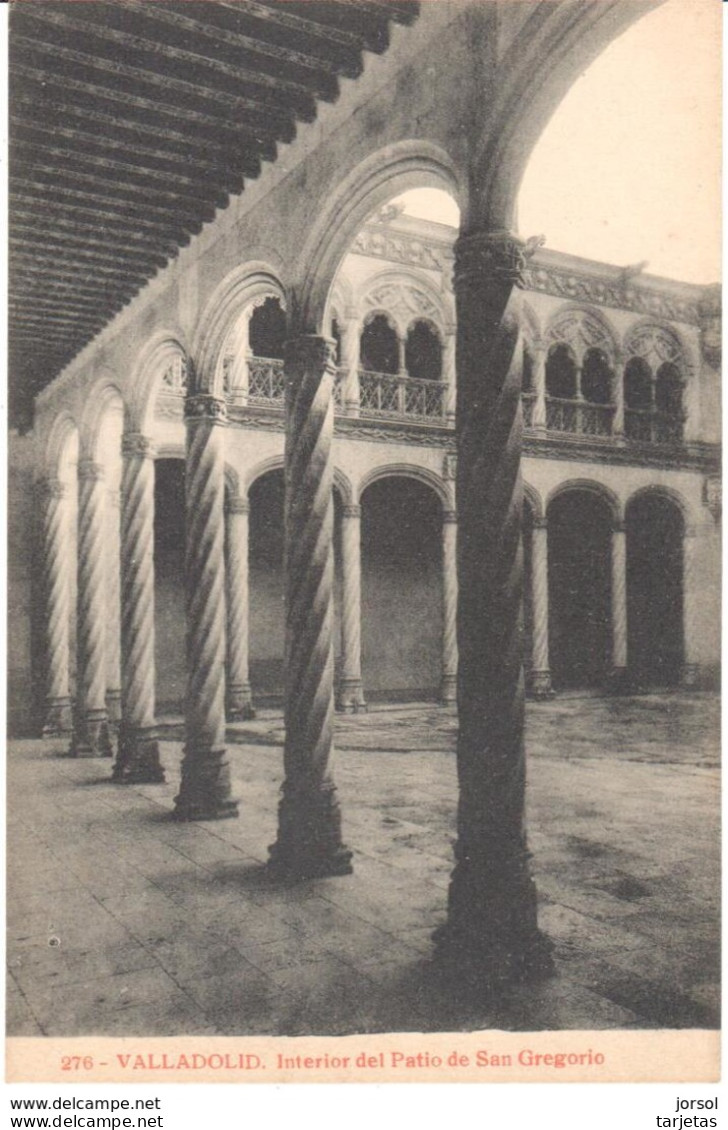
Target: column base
<point>350,699</point>
<point>240,704</point>
<point>491,938</point>
<point>59,718</point>
<point>137,759</point>
<point>205,789</point>
<point>113,707</point>
<point>539,685</point>
<point>690,675</point>
<point>619,682</point>
<point>448,690</point>
<point>91,736</point>
<point>309,835</point>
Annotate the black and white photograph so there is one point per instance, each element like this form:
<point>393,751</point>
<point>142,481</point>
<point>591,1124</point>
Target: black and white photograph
<point>364,509</point>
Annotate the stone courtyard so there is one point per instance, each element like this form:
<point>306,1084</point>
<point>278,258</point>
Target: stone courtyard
<point>122,922</point>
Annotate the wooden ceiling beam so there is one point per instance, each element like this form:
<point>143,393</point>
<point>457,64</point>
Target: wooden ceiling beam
<point>64,246</point>
<point>135,210</point>
<point>25,205</point>
<point>99,236</point>
<point>138,111</point>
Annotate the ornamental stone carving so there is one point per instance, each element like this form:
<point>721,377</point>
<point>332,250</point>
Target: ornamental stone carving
<point>404,301</point>
<point>582,331</point>
<point>202,406</point>
<point>578,287</point>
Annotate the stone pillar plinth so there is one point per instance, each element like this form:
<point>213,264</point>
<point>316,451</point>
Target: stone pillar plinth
<point>138,758</point>
<point>448,684</point>
<point>350,699</point>
<point>309,822</point>
<point>56,595</point>
<point>690,674</point>
<point>205,789</point>
<point>618,676</point>
<point>91,722</point>
<point>113,597</point>
<point>239,698</point>
<point>491,934</point>
<point>540,680</point>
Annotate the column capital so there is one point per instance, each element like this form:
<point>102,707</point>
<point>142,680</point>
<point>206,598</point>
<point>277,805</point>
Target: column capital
<point>540,522</point>
<point>310,351</point>
<point>351,511</point>
<point>91,471</point>
<point>449,517</point>
<point>496,255</point>
<point>203,406</point>
<point>619,526</point>
<point>237,505</point>
<point>134,445</point>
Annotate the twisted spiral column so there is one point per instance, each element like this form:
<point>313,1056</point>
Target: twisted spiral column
<point>91,729</point>
<point>309,822</point>
<point>618,674</point>
<point>205,790</point>
<point>56,591</point>
<point>239,699</point>
<point>350,698</point>
<point>113,598</point>
<point>448,686</point>
<point>491,934</point>
<point>690,676</point>
<point>540,671</point>
<point>137,758</point>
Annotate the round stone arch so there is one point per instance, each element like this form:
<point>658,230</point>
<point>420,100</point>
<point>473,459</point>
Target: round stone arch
<point>63,428</point>
<point>553,48</point>
<point>277,463</point>
<point>668,494</point>
<point>409,471</point>
<point>104,392</point>
<point>386,173</point>
<point>245,284</point>
<point>153,361</point>
<point>590,486</point>
<point>575,311</point>
<point>643,328</point>
<point>375,299</point>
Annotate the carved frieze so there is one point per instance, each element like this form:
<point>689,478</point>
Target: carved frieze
<point>562,283</point>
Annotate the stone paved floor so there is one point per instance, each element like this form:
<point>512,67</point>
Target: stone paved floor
<point>122,922</point>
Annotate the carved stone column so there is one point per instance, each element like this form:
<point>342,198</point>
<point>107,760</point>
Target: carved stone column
<point>540,687</point>
<point>538,416</point>
<point>350,338</point>
<point>113,596</point>
<point>491,934</point>
<point>137,759</point>
<point>448,686</point>
<point>239,699</point>
<point>309,822</point>
<point>449,376</point>
<point>91,723</point>
<point>205,790</point>
<point>690,675</point>
<point>618,398</point>
<point>351,694</point>
<point>56,593</point>
<point>618,674</point>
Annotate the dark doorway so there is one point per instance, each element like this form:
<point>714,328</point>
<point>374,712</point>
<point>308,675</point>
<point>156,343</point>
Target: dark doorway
<point>401,590</point>
<point>169,584</point>
<point>266,580</point>
<point>579,539</point>
<point>654,591</point>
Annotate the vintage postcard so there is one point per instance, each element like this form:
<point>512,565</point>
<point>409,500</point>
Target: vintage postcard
<point>364,541</point>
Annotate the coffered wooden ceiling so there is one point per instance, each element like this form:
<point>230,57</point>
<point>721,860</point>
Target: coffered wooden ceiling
<point>131,122</point>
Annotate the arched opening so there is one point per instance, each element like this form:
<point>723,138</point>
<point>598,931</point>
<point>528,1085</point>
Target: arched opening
<point>423,352</point>
<point>401,537</point>
<point>669,403</point>
<point>561,373</point>
<point>655,530</point>
<point>638,384</point>
<point>169,584</point>
<point>379,346</point>
<point>596,377</point>
<point>579,571</point>
<point>267,329</point>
